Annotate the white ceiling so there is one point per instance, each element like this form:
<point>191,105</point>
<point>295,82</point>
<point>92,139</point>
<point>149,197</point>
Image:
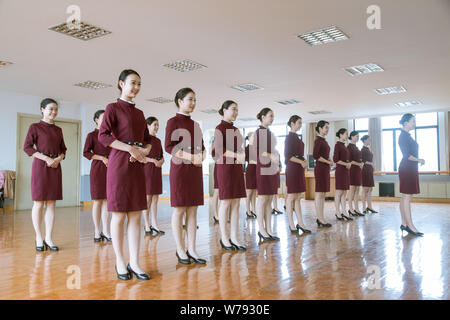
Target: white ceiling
<point>239,41</point>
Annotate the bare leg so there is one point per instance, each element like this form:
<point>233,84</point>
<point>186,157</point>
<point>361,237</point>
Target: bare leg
<point>145,213</point>
<point>369,198</point>
<point>289,208</point>
<point>36,217</point>
<point>49,222</point>
<point>105,218</point>
<point>247,201</point>
<point>402,209</point>
<point>234,222</point>
<point>319,203</point>
<point>407,208</point>
<point>96,215</point>
<point>224,208</point>
<point>275,202</point>
<point>268,217</point>
<point>364,198</point>
<point>177,229</point>
<point>337,201</point>
<point>343,203</point>
<point>154,210</point>
<point>191,226</point>
<point>356,198</point>
<point>351,194</point>
<point>253,199</point>
<point>298,211</point>
<point>215,203</point>
<point>117,234</point>
<point>263,202</point>
<point>134,237</point>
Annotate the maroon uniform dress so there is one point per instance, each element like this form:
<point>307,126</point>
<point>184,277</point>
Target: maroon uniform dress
<point>186,180</point>
<point>295,173</point>
<point>266,181</point>
<point>342,174</point>
<point>153,174</point>
<point>321,170</point>
<point>97,176</point>
<point>367,170</point>
<point>125,180</point>
<point>230,173</point>
<point>250,171</point>
<point>408,171</point>
<point>46,182</point>
<point>355,171</point>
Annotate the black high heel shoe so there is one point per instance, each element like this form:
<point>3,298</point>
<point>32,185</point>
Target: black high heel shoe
<point>371,210</point>
<point>321,224</point>
<point>183,261</point>
<point>274,237</point>
<point>359,213</point>
<point>184,226</point>
<point>339,218</point>
<point>225,247</point>
<point>215,219</point>
<point>346,217</point>
<point>102,236</point>
<point>253,214</point>
<point>262,237</point>
<point>140,276</point>
<point>124,276</point>
<point>156,230</point>
<point>249,216</point>
<point>41,248</point>
<point>276,212</point>
<point>408,229</point>
<point>293,230</point>
<point>353,214</point>
<point>238,247</point>
<point>52,248</point>
<point>99,239</point>
<point>148,233</point>
<point>303,230</point>
<point>199,261</point>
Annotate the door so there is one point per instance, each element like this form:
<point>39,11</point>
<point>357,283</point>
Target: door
<point>70,166</point>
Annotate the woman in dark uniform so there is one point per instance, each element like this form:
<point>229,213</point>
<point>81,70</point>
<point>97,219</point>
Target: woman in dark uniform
<point>367,175</point>
<point>341,157</point>
<point>215,197</point>
<point>46,174</point>
<point>294,149</point>
<point>228,144</point>
<point>355,175</point>
<point>124,129</point>
<point>184,142</point>
<point>408,172</point>
<point>321,153</point>
<point>153,178</point>
<point>250,176</point>
<point>266,173</point>
<point>95,151</point>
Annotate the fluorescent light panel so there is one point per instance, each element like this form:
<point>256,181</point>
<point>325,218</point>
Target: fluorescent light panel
<point>390,90</point>
<point>210,111</point>
<point>247,87</point>
<point>160,100</point>
<point>322,36</point>
<point>92,85</point>
<point>407,104</point>
<point>319,112</point>
<point>364,69</point>
<point>287,102</point>
<point>4,63</point>
<point>85,32</point>
<point>184,65</point>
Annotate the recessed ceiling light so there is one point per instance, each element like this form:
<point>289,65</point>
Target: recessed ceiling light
<point>287,102</point>
<point>4,63</point>
<point>319,112</point>
<point>210,111</point>
<point>92,85</point>
<point>84,32</point>
<point>247,119</point>
<point>364,69</point>
<point>407,103</point>
<point>184,65</point>
<point>325,35</point>
<point>160,100</point>
<point>390,90</point>
<point>247,87</point>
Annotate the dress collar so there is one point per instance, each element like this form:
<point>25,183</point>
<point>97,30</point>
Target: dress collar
<point>183,115</point>
<point>129,103</point>
<point>46,123</point>
<point>228,124</point>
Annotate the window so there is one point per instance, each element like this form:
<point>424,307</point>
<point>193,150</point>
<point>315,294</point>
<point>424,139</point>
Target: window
<point>426,134</point>
<point>362,126</point>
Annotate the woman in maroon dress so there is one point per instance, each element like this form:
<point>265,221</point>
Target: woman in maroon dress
<point>367,175</point>
<point>215,197</point>
<point>184,142</point>
<point>153,178</point>
<point>95,151</point>
<point>321,152</point>
<point>355,175</point>
<point>341,157</point>
<point>228,145</point>
<point>294,149</point>
<point>266,173</point>
<point>408,172</point>
<point>124,130</point>
<point>250,177</point>
<point>46,174</point>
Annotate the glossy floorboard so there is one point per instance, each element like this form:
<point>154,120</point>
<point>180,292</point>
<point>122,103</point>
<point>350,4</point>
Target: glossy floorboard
<point>334,263</point>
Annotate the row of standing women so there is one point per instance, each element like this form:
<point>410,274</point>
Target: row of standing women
<point>125,175</point>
